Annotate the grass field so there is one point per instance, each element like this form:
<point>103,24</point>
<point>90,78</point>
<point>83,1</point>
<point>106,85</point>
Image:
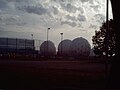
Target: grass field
<point>52,75</point>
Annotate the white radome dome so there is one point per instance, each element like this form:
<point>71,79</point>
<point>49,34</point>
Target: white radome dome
<point>80,47</point>
<point>64,47</point>
<point>47,48</point>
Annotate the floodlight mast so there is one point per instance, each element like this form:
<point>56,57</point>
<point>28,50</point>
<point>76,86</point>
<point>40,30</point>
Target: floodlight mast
<point>61,42</point>
<point>47,33</point>
<point>107,27</point>
<point>47,38</point>
<point>32,36</point>
<point>107,38</point>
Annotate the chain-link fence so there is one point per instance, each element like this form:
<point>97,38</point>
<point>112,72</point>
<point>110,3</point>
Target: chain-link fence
<point>14,47</point>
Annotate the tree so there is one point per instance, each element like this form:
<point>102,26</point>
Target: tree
<point>99,40</point>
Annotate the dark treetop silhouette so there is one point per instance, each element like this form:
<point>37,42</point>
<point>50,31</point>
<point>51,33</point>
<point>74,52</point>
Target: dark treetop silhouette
<point>99,40</point>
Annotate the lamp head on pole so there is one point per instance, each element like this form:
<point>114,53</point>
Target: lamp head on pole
<point>32,36</point>
<point>61,33</point>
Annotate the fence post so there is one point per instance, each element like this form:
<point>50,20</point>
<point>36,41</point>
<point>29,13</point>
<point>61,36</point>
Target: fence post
<point>16,48</point>
<point>7,49</point>
<point>25,47</point>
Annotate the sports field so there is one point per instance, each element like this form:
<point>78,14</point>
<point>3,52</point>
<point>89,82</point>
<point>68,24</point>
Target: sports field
<point>52,75</point>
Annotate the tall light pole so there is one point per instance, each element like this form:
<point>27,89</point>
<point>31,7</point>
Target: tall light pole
<point>107,28</point>
<point>47,33</point>
<point>33,41</point>
<point>32,45</point>
<point>107,38</point>
<point>32,36</point>
<point>61,42</point>
<point>47,38</point>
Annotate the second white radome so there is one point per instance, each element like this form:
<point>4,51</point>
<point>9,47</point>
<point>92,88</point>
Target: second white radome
<point>64,47</point>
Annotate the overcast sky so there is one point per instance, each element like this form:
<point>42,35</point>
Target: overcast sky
<point>75,18</point>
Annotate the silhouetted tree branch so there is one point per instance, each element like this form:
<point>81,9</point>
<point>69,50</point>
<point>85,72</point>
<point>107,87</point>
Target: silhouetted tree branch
<point>99,40</point>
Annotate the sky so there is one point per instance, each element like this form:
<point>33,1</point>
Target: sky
<point>74,18</point>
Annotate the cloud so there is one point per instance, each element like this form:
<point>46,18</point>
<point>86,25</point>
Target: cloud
<point>1,28</point>
<point>83,1</point>
<point>55,10</point>
<point>91,1</point>
<point>40,10</point>
<point>99,18</point>
<point>95,7</point>
<point>8,18</point>
<point>69,8</point>
<point>72,24</point>
<point>81,18</point>
<point>72,18</point>
<point>2,4</point>
<point>0,11</point>
<point>88,1</point>
<point>11,20</point>
<point>81,10</point>
<point>93,26</point>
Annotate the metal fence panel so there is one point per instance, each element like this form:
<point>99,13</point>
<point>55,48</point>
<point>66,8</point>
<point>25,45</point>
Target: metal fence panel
<point>3,41</point>
<point>16,45</point>
<point>21,42</point>
<point>11,41</point>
